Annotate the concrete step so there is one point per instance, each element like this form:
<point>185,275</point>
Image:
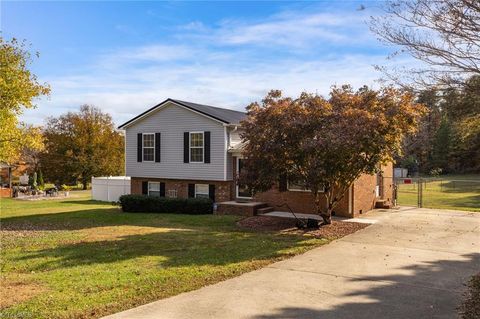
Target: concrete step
<point>243,208</point>
<point>264,210</point>
<point>382,203</point>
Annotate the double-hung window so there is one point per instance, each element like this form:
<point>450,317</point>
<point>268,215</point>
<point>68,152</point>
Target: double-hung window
<point>196,147</point>
<point>154,189</point>
<point>298,186</point>
<point>201,191</point>
<point>148,147</point>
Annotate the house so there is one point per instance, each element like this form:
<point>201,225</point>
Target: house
<point>5,180</point>
<point>184,149</point>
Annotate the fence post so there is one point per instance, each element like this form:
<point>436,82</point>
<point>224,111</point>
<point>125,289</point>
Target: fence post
<point>395,193</point>
<point>108,190</point>
<point>419,193</point>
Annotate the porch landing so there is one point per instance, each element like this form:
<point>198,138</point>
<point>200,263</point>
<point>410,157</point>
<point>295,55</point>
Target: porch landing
<point>241,208</point>
<point>313,216</point>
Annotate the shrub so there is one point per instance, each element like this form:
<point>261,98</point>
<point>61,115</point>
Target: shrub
<point>436,172</point>
<point>150,204</point>
<point>41,182</point>
<point>65,188</point>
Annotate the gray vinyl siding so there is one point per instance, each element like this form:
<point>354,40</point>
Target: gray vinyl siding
<point>172,121</point>
<point>235,137</point>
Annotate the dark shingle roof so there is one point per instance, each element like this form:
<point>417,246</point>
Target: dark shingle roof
<point>224,115</point>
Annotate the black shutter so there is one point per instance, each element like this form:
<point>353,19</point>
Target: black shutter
<point>157,147</point>
<point>162,189</point>
<point>206,149</point>
<point>191,190</point>
<point>139,147</point>
<point>186,146</point>
<point>211,192</point>
<point>282,183</point>
<point>145,188</point>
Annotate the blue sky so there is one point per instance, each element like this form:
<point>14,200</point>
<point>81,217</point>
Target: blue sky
<point>125,57</point>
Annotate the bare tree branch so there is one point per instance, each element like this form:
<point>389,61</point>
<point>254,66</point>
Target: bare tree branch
<point>443,34</point>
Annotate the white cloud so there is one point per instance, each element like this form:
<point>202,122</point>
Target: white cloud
<point>229,65</point>
<point>289,29</point>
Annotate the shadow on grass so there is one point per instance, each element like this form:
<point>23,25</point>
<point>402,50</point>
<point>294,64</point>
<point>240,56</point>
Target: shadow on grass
<point>181,240</point>
<point>177,247</point>
<point>427,290</point>
<point>90,218</point>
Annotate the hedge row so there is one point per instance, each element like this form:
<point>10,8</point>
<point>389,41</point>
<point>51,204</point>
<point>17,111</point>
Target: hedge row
<point>163,205</point>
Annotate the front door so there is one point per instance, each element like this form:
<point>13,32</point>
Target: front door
<point>242,190</point>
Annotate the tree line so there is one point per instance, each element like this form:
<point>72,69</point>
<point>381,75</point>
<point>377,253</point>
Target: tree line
<point>448,140</point>
<point>444,37</point>
<point>68,149</point>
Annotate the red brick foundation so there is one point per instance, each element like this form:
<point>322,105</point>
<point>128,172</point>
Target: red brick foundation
<point>299,202</point>
<point>223,189</point>
<point>359,199</point>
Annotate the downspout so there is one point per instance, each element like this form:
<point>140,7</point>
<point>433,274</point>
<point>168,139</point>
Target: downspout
<point>350,200</point>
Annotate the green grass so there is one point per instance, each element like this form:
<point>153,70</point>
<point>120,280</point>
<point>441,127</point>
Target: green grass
<point>459,192</point>
<point>77,258</point>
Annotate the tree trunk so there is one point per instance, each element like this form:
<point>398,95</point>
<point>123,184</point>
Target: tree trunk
<point>84,182</point>
<point>326,215</point>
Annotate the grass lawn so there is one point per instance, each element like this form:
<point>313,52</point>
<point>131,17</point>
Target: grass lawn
<point>80,258</point>
<point>461,192</point>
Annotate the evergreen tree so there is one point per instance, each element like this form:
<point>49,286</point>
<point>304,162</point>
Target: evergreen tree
<point>442,146</point>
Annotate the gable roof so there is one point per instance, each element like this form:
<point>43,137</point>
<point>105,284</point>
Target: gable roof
<point>220,114</point>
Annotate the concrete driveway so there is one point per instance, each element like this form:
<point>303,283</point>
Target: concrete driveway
<point>411,263</point>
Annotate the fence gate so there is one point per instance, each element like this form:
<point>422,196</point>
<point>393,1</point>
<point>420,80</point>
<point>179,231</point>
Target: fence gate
<point>448,193</point>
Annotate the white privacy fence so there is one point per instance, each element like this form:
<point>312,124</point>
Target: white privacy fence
<point>110,188</point>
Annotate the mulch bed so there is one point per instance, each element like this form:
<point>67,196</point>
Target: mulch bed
<point>336,229</point>
<point>470,308</point>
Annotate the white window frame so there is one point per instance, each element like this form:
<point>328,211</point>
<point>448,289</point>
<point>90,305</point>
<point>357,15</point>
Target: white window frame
<point>143,147</point>
<point>149,183</point>
<point>203,194</point>
<point>306,190</point>
<point>198,147</point>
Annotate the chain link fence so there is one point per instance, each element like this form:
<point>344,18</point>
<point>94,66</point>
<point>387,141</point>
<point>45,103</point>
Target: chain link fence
<point>461,194</point>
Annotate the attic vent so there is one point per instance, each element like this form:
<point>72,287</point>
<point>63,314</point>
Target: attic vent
<point>172,193</point>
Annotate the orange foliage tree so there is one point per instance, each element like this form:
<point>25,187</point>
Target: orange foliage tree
<point>325,144</point>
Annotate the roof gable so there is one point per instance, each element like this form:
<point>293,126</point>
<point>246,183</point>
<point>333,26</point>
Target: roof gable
<point>222,115</point>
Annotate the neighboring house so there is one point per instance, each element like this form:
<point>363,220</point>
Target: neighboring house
<point>5,180</point>
<point>184,149</point>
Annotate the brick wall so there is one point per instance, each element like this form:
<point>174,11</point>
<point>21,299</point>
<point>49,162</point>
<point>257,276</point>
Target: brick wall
<point>364,193</point>
<point>364,189</point>
<point>223,190</point>
<point>299,202</point>
<point>5,192</point>
<point>388,183</point>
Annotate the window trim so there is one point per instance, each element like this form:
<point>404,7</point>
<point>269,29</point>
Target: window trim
<point>152,147</point>
<point>207,193</point>
<point>190,147</point>
<point>302,190</point>
<point>148,188</point>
